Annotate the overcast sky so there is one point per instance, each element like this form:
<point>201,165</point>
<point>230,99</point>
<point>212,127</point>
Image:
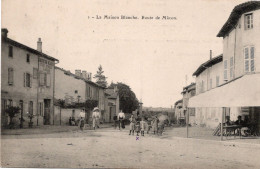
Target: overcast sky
<point>151,56</point>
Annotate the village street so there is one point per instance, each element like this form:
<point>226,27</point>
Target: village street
<point>109,148</point>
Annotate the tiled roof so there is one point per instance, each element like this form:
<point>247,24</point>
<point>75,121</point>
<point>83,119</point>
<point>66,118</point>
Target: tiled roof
<point>205,65</point>
<point>77,77</point>
<point>22,46</point>
<point>236,14</point>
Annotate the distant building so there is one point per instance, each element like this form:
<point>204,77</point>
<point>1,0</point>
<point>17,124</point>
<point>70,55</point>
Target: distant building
<point>27,81</point>
<point>179,111</point>
<point>188,92</point>
<point>112,104</point>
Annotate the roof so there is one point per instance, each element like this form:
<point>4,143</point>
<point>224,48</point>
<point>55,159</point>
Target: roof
<point>232,94</point>
<point>188,88</point>
<point>22,46</point>
<point>236,14</point>
<point>179,101</point>
<point>207,64</point>
<point>67,72</point>
<point>112,94</point>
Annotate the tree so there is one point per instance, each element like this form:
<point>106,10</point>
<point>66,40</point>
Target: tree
<point>12,111</point>
<point>100,78</point>
<point>127,98</point>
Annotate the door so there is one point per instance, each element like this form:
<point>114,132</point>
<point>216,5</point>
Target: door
<point>4,119</point>
<point>47,111</point>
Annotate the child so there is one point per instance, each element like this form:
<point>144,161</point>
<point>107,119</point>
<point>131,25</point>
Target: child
<point>155,125</point>
<point>132,125</point>
<point>137,128</point>
<point>142,126</point>
<point>81,123</point>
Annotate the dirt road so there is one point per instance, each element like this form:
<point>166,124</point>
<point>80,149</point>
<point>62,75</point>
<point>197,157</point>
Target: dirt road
<point>116,149</point>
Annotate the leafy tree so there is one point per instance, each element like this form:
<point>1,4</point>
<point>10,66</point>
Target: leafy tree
<point>100,78</point>
<point>12,111</point>
<point>127,98</point>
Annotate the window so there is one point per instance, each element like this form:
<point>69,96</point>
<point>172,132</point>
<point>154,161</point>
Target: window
<point>217,81</point>
<point>231,67</point>
<point>28,58</point>
<point>10,76</point>
<point>42,77</point>
<point>248,21</point>
<point>35,73</point>
<point>225,70</point>
<point>202,86</point>
<point>30,107</point>
<point>27,80</point>
<point>249,59</point>
<point>10,51</point>
<point>48,80</point>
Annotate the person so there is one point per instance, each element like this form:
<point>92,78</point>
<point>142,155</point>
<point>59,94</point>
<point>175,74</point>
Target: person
<point>81,123</point>
<point>95,117</point>
<point>155,125</point>
<point>132,125</point>
<point>137,128</point>
<point>142,126</point>
<point>161,127</point>
<point>239,121</point>
<point>115,120</point>
<point>70,119</point>
<point>121,117</point>
<point>228,122</point>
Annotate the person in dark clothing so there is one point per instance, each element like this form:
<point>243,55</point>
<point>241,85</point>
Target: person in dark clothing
<point>115,120</point>
<point>239,121</point>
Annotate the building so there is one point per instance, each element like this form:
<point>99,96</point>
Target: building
<point>188,92</point>
<point>209,76</point>
<point>240,93</point>
<point>178,112</point>
<point>112,103</point>
<point>27,81</point>
<point>76,89</point>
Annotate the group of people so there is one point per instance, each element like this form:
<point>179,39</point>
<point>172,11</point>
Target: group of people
<point>248,127</point>
<point>95,119</point>
<point>140,125</point>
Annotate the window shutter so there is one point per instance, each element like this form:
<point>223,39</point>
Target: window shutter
<point>24,79</point>
<point>10,76</point>
<point>48,80</point>
<point>30,80</point>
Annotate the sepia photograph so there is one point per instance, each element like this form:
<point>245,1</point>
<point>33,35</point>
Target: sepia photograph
<point>130,84</point>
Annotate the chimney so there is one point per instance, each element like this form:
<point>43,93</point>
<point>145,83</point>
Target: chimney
<point>39,45</point>
<point>210,54</point>
<point>78,72</point>
<point>90,76</point>
<point>4,32</point>
<point>84,74</point>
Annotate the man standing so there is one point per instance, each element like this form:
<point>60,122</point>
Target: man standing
<point>121,117</point>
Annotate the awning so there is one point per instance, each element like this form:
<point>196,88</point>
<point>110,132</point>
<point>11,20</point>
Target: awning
<point>242,92</point>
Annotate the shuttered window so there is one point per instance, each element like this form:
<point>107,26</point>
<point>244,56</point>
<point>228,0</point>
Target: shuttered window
<point>217,81</point>
<point>27,80</point>
<point>10,51</point>
<point>249,55</point>
<point>248,21</point>
<point>48,80</point>
<point>42,75</point>
<point>10,76</point>
<point>225,70</point>
<point>231,67</point>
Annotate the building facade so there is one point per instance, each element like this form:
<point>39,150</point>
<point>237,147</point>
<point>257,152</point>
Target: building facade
<point>188,92</point>
<point>235,95</point>
<point>111,104</point>
<point>27,82</point>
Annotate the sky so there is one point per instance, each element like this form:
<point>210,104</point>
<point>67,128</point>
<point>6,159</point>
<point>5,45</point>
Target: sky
<point>156,58</point>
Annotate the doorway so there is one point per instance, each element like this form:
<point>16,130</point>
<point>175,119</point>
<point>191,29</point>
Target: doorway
<point>21,109</point>
<point>47,111</point>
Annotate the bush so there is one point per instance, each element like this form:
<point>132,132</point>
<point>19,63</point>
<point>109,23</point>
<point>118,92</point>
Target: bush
<point>12,111</point>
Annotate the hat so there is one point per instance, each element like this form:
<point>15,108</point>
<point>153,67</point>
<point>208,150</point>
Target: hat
<point>96,109</point>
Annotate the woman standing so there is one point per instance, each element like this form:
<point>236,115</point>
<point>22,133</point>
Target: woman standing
<point>95,117</point>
